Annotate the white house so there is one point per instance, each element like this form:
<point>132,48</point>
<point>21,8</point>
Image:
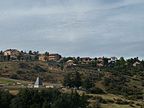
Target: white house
<point>38,83</point>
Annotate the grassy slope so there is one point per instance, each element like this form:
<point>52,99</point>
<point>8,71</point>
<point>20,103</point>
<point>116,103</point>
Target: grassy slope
<point>8,81</point>
<point>30,70</point>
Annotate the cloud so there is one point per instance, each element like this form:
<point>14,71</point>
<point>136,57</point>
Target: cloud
<point>74,27</point>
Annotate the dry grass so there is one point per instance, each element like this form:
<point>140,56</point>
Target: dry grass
<point>118,106</point>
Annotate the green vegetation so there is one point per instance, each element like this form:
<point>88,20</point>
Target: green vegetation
<point>6,81</point>
<point>51,98</point>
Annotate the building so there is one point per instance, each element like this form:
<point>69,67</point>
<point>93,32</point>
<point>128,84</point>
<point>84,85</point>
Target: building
<point>70,63</point>
<point>49,57</point>
<point>43,57</point>
<point>54,57</point>
<point>136,64</point>
<point>100,62</point>
<point>38,83</point>
<point>86,60</point>
<point>112,59</point>
<point>11,52</point>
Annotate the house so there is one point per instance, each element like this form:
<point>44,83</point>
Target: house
<point>136,64</point>
<point>38,83</point>
<point>86,60</point>
<point>49,57</point>
<point>100,62</point>
<point>70,63</point>
<point>54,57</point>
<point>11,52</point>
<point>43,57</point>
<point>112,59</point>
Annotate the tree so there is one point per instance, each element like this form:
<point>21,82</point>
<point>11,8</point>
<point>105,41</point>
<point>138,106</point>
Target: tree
<point>8,57</point>
<point>26,96</point>
<point>94,63</point>
<point>50,98</point>
<point>122,61</point>
<point>46,53</point>
<point>83,101</point>
<point>30,52</point>
<point>1,52</point>
<point>5,98</point>
<point>73,100</point>
<point>67,80</point>
<point>16,103</point>
<point>61,102</point>
<point>77,80</point>
<point>88,83</point>
<point>78,59</point>
<point>72,79</point>
<point>46,104</point>
<point>35,105</point>
<point>105,61</point>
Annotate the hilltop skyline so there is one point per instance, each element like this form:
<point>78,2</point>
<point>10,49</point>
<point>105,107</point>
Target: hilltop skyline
<point>39,53</point>
<point>74,27</point>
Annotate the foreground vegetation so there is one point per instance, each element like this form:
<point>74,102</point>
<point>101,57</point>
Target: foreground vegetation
<point>52,98</point>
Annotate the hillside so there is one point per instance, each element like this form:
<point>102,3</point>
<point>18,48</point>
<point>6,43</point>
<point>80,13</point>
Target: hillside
<point>116,89</point>
<point>30,70</point>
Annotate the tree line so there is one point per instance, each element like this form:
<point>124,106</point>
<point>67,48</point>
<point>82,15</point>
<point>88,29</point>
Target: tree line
<point>51,98</point>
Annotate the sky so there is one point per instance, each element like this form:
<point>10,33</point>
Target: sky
<point>74,27</point>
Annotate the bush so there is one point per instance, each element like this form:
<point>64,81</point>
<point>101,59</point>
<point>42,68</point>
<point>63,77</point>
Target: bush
<point>20,72</point>
<point>14,76</point>
<point>39,69</point>
<point>24,66</point>
<point>96,90</point>
<point>5,98</point>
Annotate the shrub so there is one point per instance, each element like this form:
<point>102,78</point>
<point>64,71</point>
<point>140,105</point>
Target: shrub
<point>39,69</point>
<point>24,66</point>
<point>96,90</point>
<point>14,76</point>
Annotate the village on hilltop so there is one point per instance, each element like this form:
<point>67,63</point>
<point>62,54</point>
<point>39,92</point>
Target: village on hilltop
<point>16,55</point>
<point>120,79</point>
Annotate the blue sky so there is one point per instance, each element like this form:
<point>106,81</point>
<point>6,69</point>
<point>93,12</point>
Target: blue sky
<point>74,27</point>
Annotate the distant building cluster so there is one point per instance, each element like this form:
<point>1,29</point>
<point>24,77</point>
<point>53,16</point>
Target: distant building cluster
<point>16,55</point>
<point>49,57</point>
<point>99,62</point>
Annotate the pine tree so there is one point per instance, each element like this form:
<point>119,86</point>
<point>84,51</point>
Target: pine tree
<point>46,105</point>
